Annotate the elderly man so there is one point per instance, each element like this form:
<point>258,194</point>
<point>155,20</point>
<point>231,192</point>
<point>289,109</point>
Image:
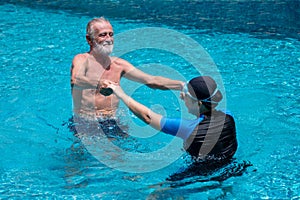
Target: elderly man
<point>90,69</point>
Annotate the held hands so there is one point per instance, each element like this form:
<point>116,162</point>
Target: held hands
<point>108,87</point>
<point>102,88</point>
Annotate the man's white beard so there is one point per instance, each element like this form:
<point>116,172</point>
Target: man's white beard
<point>104,48</point>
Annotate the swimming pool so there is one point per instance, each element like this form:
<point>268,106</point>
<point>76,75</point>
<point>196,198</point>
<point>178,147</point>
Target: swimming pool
<point>257,56</point>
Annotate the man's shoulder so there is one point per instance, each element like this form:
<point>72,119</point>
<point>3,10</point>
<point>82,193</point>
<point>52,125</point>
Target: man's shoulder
<point>124,64</point>
<point>80,57</point>
<point>117,60</point>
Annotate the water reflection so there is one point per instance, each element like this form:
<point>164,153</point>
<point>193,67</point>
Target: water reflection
<point>263,18</point>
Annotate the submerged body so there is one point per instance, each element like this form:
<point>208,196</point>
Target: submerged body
<point>210,137</point>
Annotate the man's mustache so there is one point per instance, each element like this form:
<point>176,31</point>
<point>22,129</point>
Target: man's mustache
<point>109,42</point>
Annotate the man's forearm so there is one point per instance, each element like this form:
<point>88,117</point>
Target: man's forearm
<point>155,82</point>
<point>159,82</point>
<point>85,83</point>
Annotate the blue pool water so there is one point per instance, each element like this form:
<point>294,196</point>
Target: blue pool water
<point>257,55</point>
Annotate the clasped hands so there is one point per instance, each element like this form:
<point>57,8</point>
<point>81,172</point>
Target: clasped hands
<point>108,87</point>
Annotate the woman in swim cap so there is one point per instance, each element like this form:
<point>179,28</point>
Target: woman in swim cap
<point>209,137</point>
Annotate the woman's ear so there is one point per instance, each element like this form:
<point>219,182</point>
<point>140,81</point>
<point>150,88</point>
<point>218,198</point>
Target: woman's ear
<point>199,103</point>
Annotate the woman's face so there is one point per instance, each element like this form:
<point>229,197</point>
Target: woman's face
<point>191,104</point>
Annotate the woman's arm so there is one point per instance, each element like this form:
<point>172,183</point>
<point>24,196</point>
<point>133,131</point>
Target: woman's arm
<point>141,111</point>
<point>173,126</point>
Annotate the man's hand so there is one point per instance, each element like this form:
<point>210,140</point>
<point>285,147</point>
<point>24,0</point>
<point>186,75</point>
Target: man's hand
<point>103,87</point>
<point>112,86</point>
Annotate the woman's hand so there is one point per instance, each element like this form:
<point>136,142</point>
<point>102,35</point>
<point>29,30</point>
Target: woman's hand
<point>141,111</point>
<point>115,87</point>
<point>108,84</point>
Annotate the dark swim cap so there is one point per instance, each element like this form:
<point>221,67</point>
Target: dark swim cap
<point>205,89</point>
